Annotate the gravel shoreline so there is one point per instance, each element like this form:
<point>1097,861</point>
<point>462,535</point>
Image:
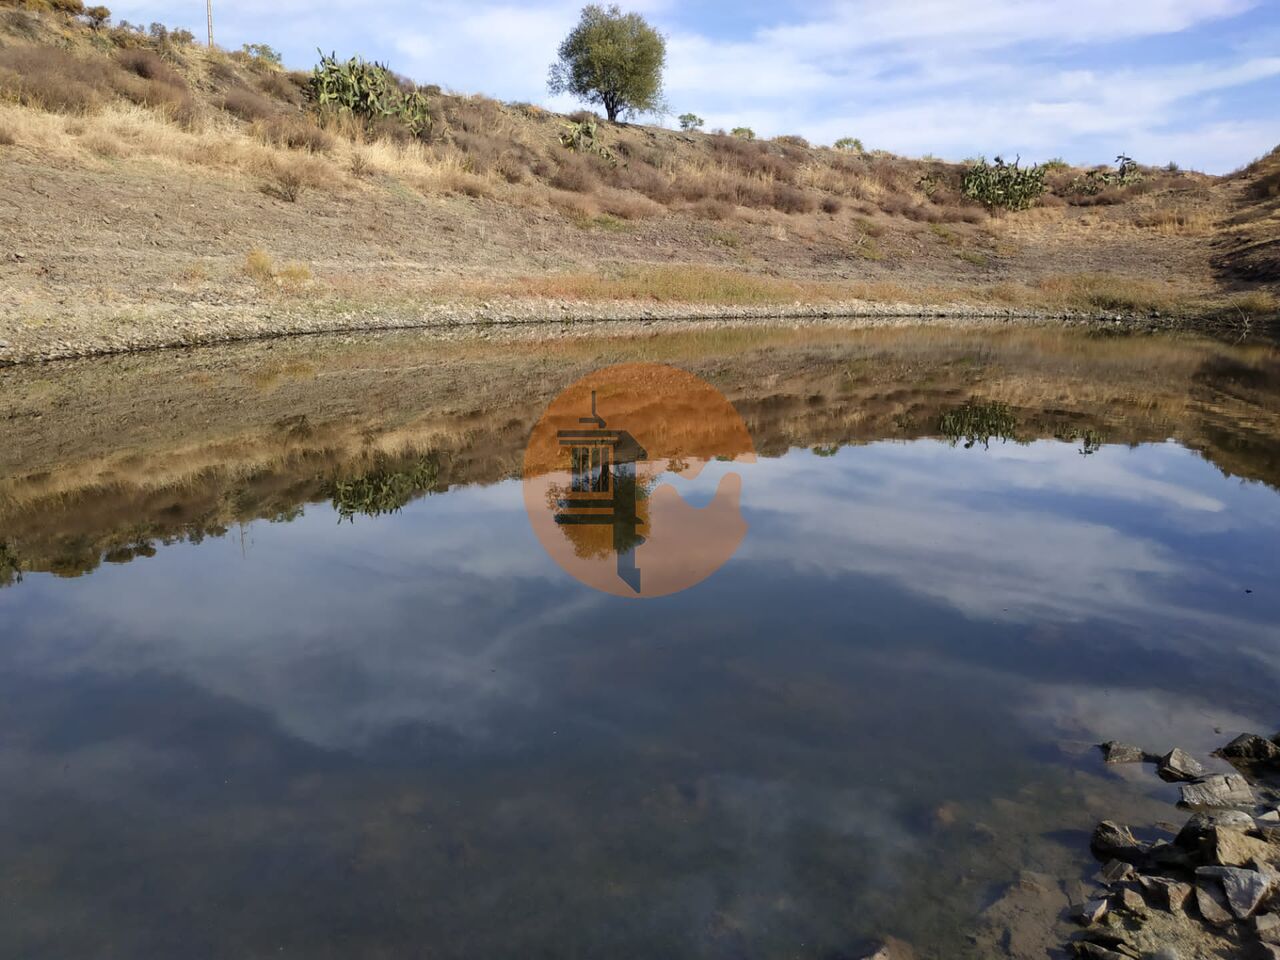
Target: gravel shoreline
<point>25,341</point>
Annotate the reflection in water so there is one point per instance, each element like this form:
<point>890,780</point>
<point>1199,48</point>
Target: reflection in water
<point>410,734</point>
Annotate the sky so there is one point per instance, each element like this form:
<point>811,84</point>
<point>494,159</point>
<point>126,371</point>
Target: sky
<point>1191,81</point>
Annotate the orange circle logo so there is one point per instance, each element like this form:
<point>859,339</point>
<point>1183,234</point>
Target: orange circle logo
<point>596,484</point>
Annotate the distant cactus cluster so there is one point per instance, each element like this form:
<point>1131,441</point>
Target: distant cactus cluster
<point>1126,174</point>
<point>368,90</point>
<point>1008,186</point>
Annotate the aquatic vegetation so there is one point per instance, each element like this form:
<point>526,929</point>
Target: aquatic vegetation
<point>979,422</point>
<point>382,491</point>
<point>10,565</point>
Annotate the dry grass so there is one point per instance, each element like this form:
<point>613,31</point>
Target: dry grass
<point>1176,221</point>
<point>290,277</point>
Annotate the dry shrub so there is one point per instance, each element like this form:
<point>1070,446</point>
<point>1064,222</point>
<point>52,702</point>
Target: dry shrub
<point>281,86</point>
<point>752,157</point>
<point>789,199</point>
<point>1175,221</point>
<point>294,133</point>
<point>102,144</point>
<point>1108,292</point>
<point>7,137</point>
<point>474,114</point>
<point>574,174</point>
<point>148,65</point>
<point>259,265</point>
<point>832,205</point>
<point>1266,187</point>
<point>712,209</point>
<point>575,206</point>
<point>247,105</point>
<point>55,80</point>
<point>628,206</point>
<point>642,178</point>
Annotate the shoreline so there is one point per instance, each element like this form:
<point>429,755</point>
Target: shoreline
<point>23,342</point>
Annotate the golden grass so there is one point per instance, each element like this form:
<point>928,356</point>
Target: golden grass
<point>290,277</point>
<point>1176,221</point>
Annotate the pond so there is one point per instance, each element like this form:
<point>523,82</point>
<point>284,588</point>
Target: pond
<point>286,669</point>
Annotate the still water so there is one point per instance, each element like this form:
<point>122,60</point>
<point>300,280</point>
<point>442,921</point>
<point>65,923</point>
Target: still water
<point>241,717</point>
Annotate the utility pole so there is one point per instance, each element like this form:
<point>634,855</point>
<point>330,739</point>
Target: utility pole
<point>208,6</point>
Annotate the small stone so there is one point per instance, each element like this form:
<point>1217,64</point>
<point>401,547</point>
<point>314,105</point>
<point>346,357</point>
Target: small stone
<point>1114,841</point>
<point>1178,765</point>
<point>1092,951</point>
<point>1251,748</point>
<point>1115,871</point>
<point>1169,894</point>
<point>1165,953</point>
<point>1221,790</point>
<point>1213,904</point>
<point>1113,751</point>
<point>1091,911</point>
<point>1267,926</point>
<point>1131,900</point>
<point>1271,816</point>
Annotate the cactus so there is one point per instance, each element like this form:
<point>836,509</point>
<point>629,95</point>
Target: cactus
<point>368,90</point>
<point>1005,185</point>
<point>581,138</point>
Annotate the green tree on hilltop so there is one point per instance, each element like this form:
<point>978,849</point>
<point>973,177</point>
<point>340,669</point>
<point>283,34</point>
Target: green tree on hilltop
<point>613,59</point>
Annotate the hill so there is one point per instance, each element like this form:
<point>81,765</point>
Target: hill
<point>159,192</point>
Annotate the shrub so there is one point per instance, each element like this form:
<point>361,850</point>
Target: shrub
<point>744,133</point>
<point>691,121</point>
<point>97,16</point>
<point>789,199</point>
<point>7,139</point>
<point>281,86</point>
<point>74,8</point>
<point>711,209</point>
<point>55,80</point>
<point>850,143</point>
<point>791,140</point>
<point>258,265</point>
<point>832,205</point>
<point>296,133</point>
<point>1004,185</point>
<point>262,53</point>
<point>246,105</point>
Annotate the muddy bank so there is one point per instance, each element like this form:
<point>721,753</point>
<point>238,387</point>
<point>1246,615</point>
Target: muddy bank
<point>73,335</point>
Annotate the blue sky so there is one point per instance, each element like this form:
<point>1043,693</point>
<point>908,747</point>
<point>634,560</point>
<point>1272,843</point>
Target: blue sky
<point>1196,81</point>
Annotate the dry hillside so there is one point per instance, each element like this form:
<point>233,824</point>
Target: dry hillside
<point>156,191</point>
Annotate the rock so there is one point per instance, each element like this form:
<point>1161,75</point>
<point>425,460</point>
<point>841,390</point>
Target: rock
<point>1178,765</point>
<point>1115,871</point>
<point>1220,790</point>
<point>1245,889</point>
<point>1114,841</point>
<point>1163,855</point>
<point>1169,894</point>
<point>1269,951</point>
<point>1113,751</point>
<point>1131,901</point>
<point>892,948</point>
<point>1271,816</point>
<point>1165,953</point>
<point>1267,926</point>
<point>1092,951</point>
<point>1251,748</point>
<point>1232,848</point>
<point>1213,904</point>
<point>1198,830</point>
<point>1091,911</point>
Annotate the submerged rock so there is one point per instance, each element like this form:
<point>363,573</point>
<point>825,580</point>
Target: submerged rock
<point>1251,748</point>
<point>1220,790</point>
<point>1114,841</point>
<point>891,948</point>
<point>1113,751</point>
<point>1178,765</point>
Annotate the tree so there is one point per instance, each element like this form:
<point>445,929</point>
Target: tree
<point>850,143</point>
<point>691,121</point>
<point>613,59</point>
<point>97,17</point>
<point>744,133</point>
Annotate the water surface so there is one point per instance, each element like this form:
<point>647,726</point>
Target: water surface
<point>239,717</point>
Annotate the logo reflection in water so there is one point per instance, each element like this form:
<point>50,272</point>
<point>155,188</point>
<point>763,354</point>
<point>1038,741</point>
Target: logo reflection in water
<point>596,487</point>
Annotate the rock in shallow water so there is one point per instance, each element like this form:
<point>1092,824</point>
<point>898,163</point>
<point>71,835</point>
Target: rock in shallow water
<point>1114,841</point>
<point>1178,765</point>
<point>1221,790</point>
<point>1251,748</point>
<point>1113,751</point>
